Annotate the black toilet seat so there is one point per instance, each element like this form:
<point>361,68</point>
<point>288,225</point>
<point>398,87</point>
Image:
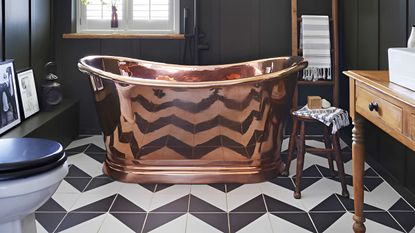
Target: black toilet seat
<point>23,157</point>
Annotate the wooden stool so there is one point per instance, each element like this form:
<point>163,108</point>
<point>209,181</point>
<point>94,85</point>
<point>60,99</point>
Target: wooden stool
<point>332,146</point>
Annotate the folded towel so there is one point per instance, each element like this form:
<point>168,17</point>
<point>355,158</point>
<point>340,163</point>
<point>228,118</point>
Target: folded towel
<point>315,42</point>
<point>336,117</point>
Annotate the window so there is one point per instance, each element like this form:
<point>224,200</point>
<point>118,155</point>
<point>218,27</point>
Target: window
<point>134,16</point>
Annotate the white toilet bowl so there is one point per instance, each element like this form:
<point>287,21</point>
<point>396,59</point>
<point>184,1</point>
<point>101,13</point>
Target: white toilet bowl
<point>28,185</point>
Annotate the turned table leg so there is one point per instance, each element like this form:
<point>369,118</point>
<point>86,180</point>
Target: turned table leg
<point>358,158</point>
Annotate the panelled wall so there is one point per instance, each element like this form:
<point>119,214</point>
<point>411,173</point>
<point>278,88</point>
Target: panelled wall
<point>370,28</point>
<point>26,34</point>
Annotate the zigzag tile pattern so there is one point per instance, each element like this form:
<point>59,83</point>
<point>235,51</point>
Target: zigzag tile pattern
<point>87,201</point>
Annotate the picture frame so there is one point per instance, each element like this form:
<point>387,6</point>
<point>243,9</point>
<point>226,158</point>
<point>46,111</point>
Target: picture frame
<point>9,104</point>
<point>28,94</point>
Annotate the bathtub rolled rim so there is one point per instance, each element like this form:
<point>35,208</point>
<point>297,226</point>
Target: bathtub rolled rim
<point>298,65</point>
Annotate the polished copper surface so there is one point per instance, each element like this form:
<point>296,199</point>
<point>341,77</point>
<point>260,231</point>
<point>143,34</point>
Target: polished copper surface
<point>167,123</point>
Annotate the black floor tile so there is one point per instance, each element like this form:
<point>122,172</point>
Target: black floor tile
<point>178,206</point>
<point>49,221</point>
<point>51,206</point>
<point>73,219</point>
<point>230,187</point>
<point>255,205</point>
<point>198,205</point>
<point>155,220</point>
<point>329,204</point>
<point>383,218</point>
<point>98,157</point>
<point>406,220</point>
<point>299,219</point>
<point>134,221</point>
<point>149,187</point>
<point>162,186</point>
<point>349,204</point>
<point>237,221</point>
<point>102,205</point>
<point>307,182</point>
<point>285,182</point>
<point>78,183</point>
<point>274,205</point>
<point>220,187</point>
<point>217,220</point>
<point>401,205</point>
<point>75,172</point>
<point>76,150</point>
<point>121,204</point>
<point>322,221</point>
<point>93,149</point>
<point>372,183</point>
<point>98,182</point>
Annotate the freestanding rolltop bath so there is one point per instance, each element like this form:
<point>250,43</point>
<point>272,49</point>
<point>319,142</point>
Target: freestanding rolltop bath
<point>167,123</point>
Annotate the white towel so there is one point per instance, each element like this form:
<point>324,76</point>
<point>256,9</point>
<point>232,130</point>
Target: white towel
<point>315,42</point>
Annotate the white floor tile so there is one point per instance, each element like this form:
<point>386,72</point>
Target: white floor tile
<point>261,224</point>
<point>90,226</point>
<point>280,225</point>
<point>210,195</point>
<point>196,225</point>
<point>86,164</point>
<point>40,229</point>
<point>137,195</point>
<point>112,225</point>
<point>98,140</point>
<point>66,200</point>
<point>65,187</point>
<point>177,226</point>
<point>242,194</point>
<point>282,194</point>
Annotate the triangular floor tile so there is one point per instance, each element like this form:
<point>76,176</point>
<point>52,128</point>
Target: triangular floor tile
<point>216,220</point>
<point>274,205</point>
<point>220,187</point>
<point>307,182</point>
<point>121,204</point>
<point>372,183</point>
<point>51,206</point>
<point>383,218</point>
<point>285,182</point>
<point>370,173</point>
<point>73,219</point>
<point>49,221</point>
<point>102,205</point>
<point>261,224</point>
<point>230,187</point>
<point>78,183</point>
<point>299,219</point>
<point>349,204</point>
<point>322,221</point>
<point>98,157</point>
<point>255,205</point>
<point>98,182</point>
<point>238,221</point>
<point>155,220</point>
<point>401,205</point>
<point>406,219</point>
<point>311,172</point>
<point>330,204</point>
<point>284,226</point>
<point>198,205</point>
<point>74,171</point>
<point>149,187</point>
<point>134,221</point>
<point>76,150</point>
<point>162,186</point>
<point>180,206</point>
<point>93,149</point>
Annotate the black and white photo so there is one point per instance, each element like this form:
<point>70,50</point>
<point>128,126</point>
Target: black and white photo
<point>28,93</point>
<point>9,106</point>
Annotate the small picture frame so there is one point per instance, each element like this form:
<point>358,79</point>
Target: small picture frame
<point>9,104</point>
<point>28,94</point>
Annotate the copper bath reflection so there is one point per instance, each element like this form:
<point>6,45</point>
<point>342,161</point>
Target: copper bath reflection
<point>167,123</point>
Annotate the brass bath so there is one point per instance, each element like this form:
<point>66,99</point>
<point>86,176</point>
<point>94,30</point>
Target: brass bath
<point>167,123</point>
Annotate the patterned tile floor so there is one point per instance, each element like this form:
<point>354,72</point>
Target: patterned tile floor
<point>87,201</point>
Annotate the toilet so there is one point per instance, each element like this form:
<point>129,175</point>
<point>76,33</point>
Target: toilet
<point>31,170</point>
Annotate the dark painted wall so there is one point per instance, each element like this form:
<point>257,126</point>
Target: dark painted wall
<point>235,30</point>
<point>370,28</point>
<point>26,34</point>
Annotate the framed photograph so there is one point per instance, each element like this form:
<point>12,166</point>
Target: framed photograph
<point>9,105</point>
<point>28,95</point>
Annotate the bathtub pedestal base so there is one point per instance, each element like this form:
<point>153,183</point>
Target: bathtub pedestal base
<point>192,174</point>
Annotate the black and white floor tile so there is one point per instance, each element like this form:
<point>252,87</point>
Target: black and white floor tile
<point>87,201</point>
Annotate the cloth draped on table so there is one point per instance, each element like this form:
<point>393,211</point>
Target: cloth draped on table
<point>315,43</point>
<point>336,117</point>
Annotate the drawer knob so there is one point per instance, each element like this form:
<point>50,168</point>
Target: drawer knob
<point>373,106</point>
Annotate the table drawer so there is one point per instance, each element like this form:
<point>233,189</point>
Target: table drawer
<point>385,113</point>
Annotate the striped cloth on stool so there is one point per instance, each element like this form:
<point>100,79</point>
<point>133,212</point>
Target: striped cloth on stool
<point>315,42</point>
<point>336,117</point>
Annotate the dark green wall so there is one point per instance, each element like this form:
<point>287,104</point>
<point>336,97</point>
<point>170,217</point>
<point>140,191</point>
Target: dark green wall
<point>26,34</point>
<point>370,28</point>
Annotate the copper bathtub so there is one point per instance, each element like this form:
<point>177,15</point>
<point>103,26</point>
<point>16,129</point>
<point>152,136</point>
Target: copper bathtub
<point>167,123</point>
